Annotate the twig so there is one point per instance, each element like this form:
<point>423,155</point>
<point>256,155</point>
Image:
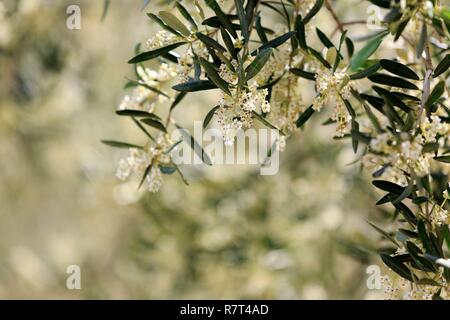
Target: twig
<point>427,79</point>
<point>334,15</point>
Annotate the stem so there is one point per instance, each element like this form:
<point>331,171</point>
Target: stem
<point>427,79</point>
<point>334,15</point>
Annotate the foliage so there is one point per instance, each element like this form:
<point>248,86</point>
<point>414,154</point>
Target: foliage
<point>394,110</point>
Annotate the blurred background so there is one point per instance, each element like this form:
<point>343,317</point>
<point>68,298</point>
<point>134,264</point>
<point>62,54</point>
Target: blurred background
<point>232,234</point>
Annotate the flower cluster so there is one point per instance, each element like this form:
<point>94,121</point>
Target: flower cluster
<point>143,98</point>
<point>146,163</point>
<point>236,110</point>
<point>334,87</point>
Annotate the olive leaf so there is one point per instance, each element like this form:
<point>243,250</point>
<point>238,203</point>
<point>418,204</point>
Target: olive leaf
<point>214,76</point>
<point>173,22</point>
<point>442,66</point>
<point>258,63</point>
<point>195,85</point>
<point>365,52</point>
<point>398,69</point>
<point>118,144</point>
<point>155,53</point>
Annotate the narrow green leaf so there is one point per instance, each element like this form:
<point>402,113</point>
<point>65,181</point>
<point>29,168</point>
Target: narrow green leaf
<point>209,116</point>
<point>259,29</point>
<point>324,39</point>
<point>392,81</point>
<point>384,234</point>
<point>186,15</point>
<point>397,266</point>
<point>371,46</point>
<point>437,92</point>
<point>314,10</point>
<point>422,39</point>
<point>265,122</point>
<point>177,100</point>
<point>303,74</point>
<point>137,114</point>
<point>146,173</point>
<point>444,159</point>
<point>442,66</point>
<point>195,85</point>
<point>163,25</point>
<point>155,53</point>
<point>118,144</point>
<point>239,4</point>
<point>173,22</point>
<point>304,117</point>
<point>301,34</point>
<point>366,72</point>
<point>155,124</point>
<point>388,186</point>
<point>398,69</point>
<point>223,18</point>
<point>210,42</point>
<point>258,63</point>
<point>274,43</point>
<point>214,76</point>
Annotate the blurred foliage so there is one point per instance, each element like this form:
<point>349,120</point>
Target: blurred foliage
<point>231,234</point>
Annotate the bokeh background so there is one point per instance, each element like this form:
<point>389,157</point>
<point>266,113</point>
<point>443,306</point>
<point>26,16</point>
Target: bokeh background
<point>301,234</point>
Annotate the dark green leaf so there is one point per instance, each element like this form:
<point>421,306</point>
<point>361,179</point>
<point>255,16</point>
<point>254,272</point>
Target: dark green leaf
<point>155,124</point>
<point>239,4</point>
<point>209,116</point>
<point>366,72</point>
<point>258,63</point>
<point>118,144</point>
<point>223,18</point>
<point>304,117</point>
<point>214,76</point>
<point>319,57</point>
<point>259,29</point>
<point>274,43</point>
<point>301,35</point>
<point>392,81</point>
<point>177,100</point>
<point>324,39</point>
<point>137,114</point>
<point>382,3</point>
<point>397,266</point>
<point>210,42</point>
<point>421,44</point>
<point>155,53</point>
<point>437,92</point>
<point>303,74</point>
<point>398,69</point>
<point>442,66</point>
<point>264,121</point>
<point>195,85</point>
<point>388,186</point>
<point>146,172</point>
<point>314,10</point>
<point>384,234</point>
<point>445,159</point>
